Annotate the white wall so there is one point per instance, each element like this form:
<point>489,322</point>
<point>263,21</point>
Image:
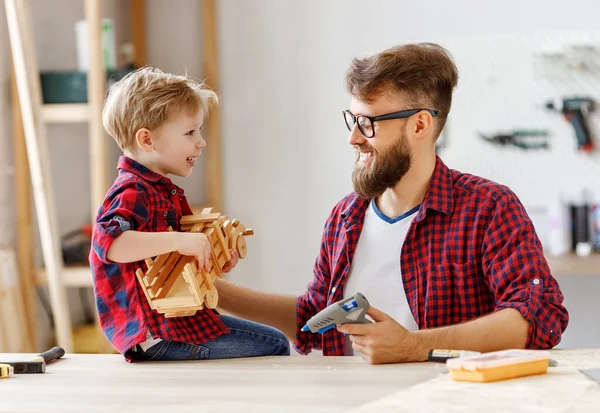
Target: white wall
<point>174,44</point>
<point>287,160</point>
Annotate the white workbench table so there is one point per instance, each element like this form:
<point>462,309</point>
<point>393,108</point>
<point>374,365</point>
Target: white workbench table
<point>106,383</point>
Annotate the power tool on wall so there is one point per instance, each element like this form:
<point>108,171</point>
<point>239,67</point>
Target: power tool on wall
<point>576,111</point>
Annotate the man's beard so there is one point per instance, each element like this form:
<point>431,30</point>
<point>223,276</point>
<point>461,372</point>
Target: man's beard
<point>384,171</point>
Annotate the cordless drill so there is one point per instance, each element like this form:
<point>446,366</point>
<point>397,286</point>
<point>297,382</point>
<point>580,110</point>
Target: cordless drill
<point>576,111</point>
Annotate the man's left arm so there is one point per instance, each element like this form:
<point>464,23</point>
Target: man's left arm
<point>517,272</point>
<point>529,311</point>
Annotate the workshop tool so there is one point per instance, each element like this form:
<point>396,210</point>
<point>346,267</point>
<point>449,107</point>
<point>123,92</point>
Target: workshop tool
<point>520,138</point>
<point>6,370</point>
<point>576,110</point>
<point>499,365</point>
<point>350,310</point>
<point>38,364</point>
<point>443,355</point>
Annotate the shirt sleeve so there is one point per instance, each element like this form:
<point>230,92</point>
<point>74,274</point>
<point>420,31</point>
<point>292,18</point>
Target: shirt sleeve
<point>125,208</point>
<point>519,276</point>
<point>315,298</point>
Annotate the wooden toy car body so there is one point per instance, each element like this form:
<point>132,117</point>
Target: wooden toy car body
<point>173,283</point>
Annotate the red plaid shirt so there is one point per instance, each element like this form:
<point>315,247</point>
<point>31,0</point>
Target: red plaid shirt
<point>140,200</point>
<point>470,250</point>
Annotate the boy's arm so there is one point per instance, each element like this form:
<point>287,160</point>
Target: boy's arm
<point>276,310</point>
<point>133,246</point>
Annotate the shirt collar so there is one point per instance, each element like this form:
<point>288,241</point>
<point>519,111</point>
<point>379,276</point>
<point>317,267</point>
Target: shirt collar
<point>438,197</point>
<point>129,165</point>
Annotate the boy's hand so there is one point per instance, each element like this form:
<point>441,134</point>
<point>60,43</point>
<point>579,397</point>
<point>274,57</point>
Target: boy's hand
<point>230,265</point>
<point>196,244</point>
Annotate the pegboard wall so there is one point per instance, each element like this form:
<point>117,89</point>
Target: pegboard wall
<point>504,83</point>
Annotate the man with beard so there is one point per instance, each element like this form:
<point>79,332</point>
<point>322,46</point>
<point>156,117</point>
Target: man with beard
<point>447,259</point>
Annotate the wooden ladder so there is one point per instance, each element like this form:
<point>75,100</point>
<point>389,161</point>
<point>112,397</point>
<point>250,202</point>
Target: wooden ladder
<point>34,115</point>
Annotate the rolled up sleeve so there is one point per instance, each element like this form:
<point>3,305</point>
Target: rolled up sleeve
<point>519,276</point>
<point>313,301</point>
<point>125,208</point>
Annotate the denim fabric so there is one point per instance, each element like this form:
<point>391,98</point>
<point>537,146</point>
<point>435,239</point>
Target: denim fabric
<point>245,339</point>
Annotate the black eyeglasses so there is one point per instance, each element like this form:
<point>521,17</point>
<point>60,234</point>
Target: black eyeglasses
<point>365,123</point>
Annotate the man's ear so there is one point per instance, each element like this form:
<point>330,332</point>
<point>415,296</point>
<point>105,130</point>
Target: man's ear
<point>143,139</point>
<point>423,124</point>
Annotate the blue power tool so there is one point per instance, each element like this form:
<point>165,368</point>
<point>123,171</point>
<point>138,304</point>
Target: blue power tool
<point>349,310</point>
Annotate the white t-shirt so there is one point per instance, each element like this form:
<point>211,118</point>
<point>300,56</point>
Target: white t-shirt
<point>375,270</point>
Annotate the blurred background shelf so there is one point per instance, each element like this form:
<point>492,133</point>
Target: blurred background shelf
<point>75,276</point>
<point>65,112</point>
<point>574,265</point>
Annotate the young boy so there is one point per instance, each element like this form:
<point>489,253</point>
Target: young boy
<point>156,119</point>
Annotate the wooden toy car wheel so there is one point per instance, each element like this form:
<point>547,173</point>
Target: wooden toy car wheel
<point>240,246</point>
<point>212,298</point>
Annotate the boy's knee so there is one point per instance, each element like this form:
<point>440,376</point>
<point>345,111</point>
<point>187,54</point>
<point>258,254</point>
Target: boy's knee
<point>283,345</point>
<point>283,349</point>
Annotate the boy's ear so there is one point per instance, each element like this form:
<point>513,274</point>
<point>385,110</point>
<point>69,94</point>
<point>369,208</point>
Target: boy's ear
<point>143,138</point>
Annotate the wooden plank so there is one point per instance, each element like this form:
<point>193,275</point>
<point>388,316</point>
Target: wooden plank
<point>174,302</point>
<point>65,113</point>
<point>12,312</point>
<point>210,68</point>
<point>140,276</point>
<point>180,314</point>
<point>216,268</point>
<point>172,276</point>
<point>137,19</point>
<point>205,278</point>
<point>96,90</point>
<point>156,266</point>
<point>193,219</point>
<point>72,276</point>
<point>193,227</point>
<point>30,97</point>
<point>164,272</point>
<point>193,282</point>
<point>223,241</point>
<point>24,221</point>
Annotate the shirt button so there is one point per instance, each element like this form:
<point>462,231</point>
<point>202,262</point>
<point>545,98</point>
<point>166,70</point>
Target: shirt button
<point>536,281</point>
<point>165,213</point>
<point>333,289</point>
<point>163,181</point>
<point>174,191</point>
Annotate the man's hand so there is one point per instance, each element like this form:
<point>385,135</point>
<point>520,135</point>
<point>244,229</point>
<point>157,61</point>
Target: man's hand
<point>230,265</point>
<point>384,341</point>
<point>196,244</point>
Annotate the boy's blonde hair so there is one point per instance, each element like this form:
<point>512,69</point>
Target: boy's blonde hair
<point>147,98</point>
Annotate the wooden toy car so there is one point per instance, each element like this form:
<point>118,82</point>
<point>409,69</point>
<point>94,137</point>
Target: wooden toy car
<point>173,283</point>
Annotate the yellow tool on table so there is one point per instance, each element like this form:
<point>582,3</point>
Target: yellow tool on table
<point>6,370</point>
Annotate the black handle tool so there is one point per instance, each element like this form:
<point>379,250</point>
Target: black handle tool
<point>38,364</point>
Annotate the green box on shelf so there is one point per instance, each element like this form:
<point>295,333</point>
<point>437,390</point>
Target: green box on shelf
<point>71,86</point>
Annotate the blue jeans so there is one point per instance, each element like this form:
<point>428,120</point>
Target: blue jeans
<point>245,339</point>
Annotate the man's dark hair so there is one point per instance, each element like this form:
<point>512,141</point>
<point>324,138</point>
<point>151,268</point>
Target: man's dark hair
<point>424,73</point>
